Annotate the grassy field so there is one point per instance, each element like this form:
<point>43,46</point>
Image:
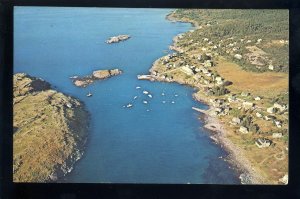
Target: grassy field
<point>268,84</point>
<point>49,131</point>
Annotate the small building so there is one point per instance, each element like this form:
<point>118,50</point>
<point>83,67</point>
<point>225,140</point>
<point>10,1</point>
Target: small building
<point>208,63</point>
<point>236,120</point>
<point>276,135</point>
<point>257,98</point>
<point>278,123</point>
<point>238,56</point>
<point>248,105</point>
<point>245,94</point>
<point>243,130</point>
<point>197,70</point>
<point>231,99</point>
<point>199,57</point>
<point>219,80</point>
<point>279,106</point>
<point>285,179</point>
<point>206,81</point>
<point>259,115</point>
<point>205,71</point>
<point>270,117</point>
<point>69,105</point>
<point>271,67</point>
<point>271,110</point>
<point>187,70</point>
<point>263,142</point>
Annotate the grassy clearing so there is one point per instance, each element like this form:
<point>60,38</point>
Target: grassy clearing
<point>267,84</point>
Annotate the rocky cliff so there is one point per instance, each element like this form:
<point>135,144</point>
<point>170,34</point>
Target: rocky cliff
<point>50,130</point>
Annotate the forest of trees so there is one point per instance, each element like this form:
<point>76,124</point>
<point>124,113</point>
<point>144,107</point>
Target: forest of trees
<point>268,25</point>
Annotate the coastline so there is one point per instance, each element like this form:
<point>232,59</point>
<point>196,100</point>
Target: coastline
<point>236,157</point>
<point>53,129</point>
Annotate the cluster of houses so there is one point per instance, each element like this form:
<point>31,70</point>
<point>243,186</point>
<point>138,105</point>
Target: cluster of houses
<point>234,49</point>
<point>204,76</point>
<point>221,107</point>
<point>200,73</point>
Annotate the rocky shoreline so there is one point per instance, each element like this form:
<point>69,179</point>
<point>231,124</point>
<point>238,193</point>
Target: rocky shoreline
<point>241,164</point>
<point>97,75</point>
<point>248,174</point>
<point>50,131</point>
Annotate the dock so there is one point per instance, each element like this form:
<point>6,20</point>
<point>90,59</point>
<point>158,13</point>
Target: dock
<point>199,110</point>
<point>146,77</point>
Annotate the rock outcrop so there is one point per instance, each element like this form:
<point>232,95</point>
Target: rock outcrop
<point>117,39</point>
<point>50,131</point>
<point>97,75</point>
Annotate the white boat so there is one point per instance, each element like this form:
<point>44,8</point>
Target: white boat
<point>89,94</point>
<point>138,87</point>
<point>146,92</point>
<point>145,102</point>
<point>172,102</point>
<point>176,95</point>
<point>148,110</point>
<point>129,105</point>
<point>164,102</point>
<point>135,97</point>
<point>150,95</point>
<point>163,94</point>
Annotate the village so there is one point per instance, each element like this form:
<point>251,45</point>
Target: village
<point>255,122</point>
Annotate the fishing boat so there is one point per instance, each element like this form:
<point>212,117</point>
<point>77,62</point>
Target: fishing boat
<point>129,105</point>
<point>145,92</point>
<point>135,97</point>
<point>89,94</point>
<point>145,102</point>
<point>150,95</point>
<point>138,87</point>
<point>163,94</point>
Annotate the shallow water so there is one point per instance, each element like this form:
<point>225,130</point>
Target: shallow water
<point>149,143</point>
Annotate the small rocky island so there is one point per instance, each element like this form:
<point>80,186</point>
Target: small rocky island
<point>97,75</point>
<point>49,130</point>
<point>117,39</point>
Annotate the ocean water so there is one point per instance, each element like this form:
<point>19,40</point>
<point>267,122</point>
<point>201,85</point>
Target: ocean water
<point>149,143</point>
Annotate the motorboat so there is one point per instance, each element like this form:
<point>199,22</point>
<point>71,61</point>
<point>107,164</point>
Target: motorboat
<point>89,94</point>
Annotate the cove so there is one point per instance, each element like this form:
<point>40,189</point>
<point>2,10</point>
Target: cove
<point>159,142</point>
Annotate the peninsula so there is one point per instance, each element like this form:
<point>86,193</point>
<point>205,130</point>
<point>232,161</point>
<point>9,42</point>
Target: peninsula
<point>117,39</point>
<point>49,133</point>
<point>242,74</point>
<point>97,75</point>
